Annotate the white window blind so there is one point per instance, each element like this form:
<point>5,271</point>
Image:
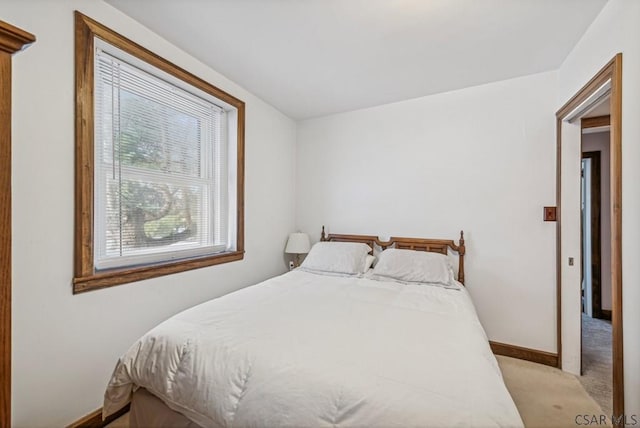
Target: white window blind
<point>161,174</point>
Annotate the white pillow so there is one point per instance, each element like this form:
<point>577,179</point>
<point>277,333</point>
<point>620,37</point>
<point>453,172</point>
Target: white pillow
<point>414,266</point>
<point>368,262</point>
<point>337,257</point>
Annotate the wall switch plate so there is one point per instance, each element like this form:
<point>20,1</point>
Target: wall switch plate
<point>291,266</point>
<point>550,214</point>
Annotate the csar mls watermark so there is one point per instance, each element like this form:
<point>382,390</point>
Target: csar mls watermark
<point>604,420</point>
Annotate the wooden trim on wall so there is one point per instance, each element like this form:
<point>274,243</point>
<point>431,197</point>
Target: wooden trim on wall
<point>5,238</point>
<point>616,235</point>
<point>123,276</point>
<point>86,278</point>
<point>596,233</point>
<point>94,419</point>
<point>12,40</point>
<point>611,71</point>
<point>533,355</point>
<point>596,122</point>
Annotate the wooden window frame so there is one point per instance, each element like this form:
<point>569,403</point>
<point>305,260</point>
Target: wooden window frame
<point>85,276</point>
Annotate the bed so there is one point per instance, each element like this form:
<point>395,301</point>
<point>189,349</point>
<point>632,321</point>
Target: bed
<point>317,348</point>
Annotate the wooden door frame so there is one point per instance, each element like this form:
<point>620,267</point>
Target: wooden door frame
<point>596,238</point>
<point>12,40</point>
<point>610,72</point>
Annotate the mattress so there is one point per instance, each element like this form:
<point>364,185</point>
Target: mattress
<point>305,349</point>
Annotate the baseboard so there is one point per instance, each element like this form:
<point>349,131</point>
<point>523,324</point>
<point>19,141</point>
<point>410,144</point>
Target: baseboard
<point>606,314</point>
<point>540,357</point>
<point>94,419</point>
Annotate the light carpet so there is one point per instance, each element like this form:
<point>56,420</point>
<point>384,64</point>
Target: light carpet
<point>545,396</point>
<point>597,374</point>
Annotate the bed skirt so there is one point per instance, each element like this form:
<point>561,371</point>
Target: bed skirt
<point>147,410</point>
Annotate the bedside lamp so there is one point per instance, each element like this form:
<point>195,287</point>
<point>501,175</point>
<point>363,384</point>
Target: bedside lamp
<point>298,243</point>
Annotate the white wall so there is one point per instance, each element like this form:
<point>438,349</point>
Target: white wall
<point>480,159</point>
<point>65,346</point>
<point>616,30</point>
<point>599,142</point>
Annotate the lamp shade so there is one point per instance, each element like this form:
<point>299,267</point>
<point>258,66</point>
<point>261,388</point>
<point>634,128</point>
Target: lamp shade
<point>298,243</point>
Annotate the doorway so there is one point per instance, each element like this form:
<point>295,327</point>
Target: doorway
<point>596,332</point>
<point>605,86</point>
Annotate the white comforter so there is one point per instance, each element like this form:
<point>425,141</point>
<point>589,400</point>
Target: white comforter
<point>304,349</point>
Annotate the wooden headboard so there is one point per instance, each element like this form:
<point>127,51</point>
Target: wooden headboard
<point>441,246</point>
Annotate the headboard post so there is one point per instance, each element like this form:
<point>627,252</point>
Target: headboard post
<point>461,251</point>
<point>323,237</point>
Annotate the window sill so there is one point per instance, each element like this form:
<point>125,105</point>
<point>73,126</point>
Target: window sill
<point>124,276</point>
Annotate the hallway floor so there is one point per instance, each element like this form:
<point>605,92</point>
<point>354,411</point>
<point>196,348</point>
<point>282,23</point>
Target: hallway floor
<point>596,361</point>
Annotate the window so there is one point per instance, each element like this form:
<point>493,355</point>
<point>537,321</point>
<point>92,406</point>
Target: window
<point>160,189</point>
<point>159,165</point>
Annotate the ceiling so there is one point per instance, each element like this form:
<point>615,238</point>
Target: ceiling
<point>311,58</point>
